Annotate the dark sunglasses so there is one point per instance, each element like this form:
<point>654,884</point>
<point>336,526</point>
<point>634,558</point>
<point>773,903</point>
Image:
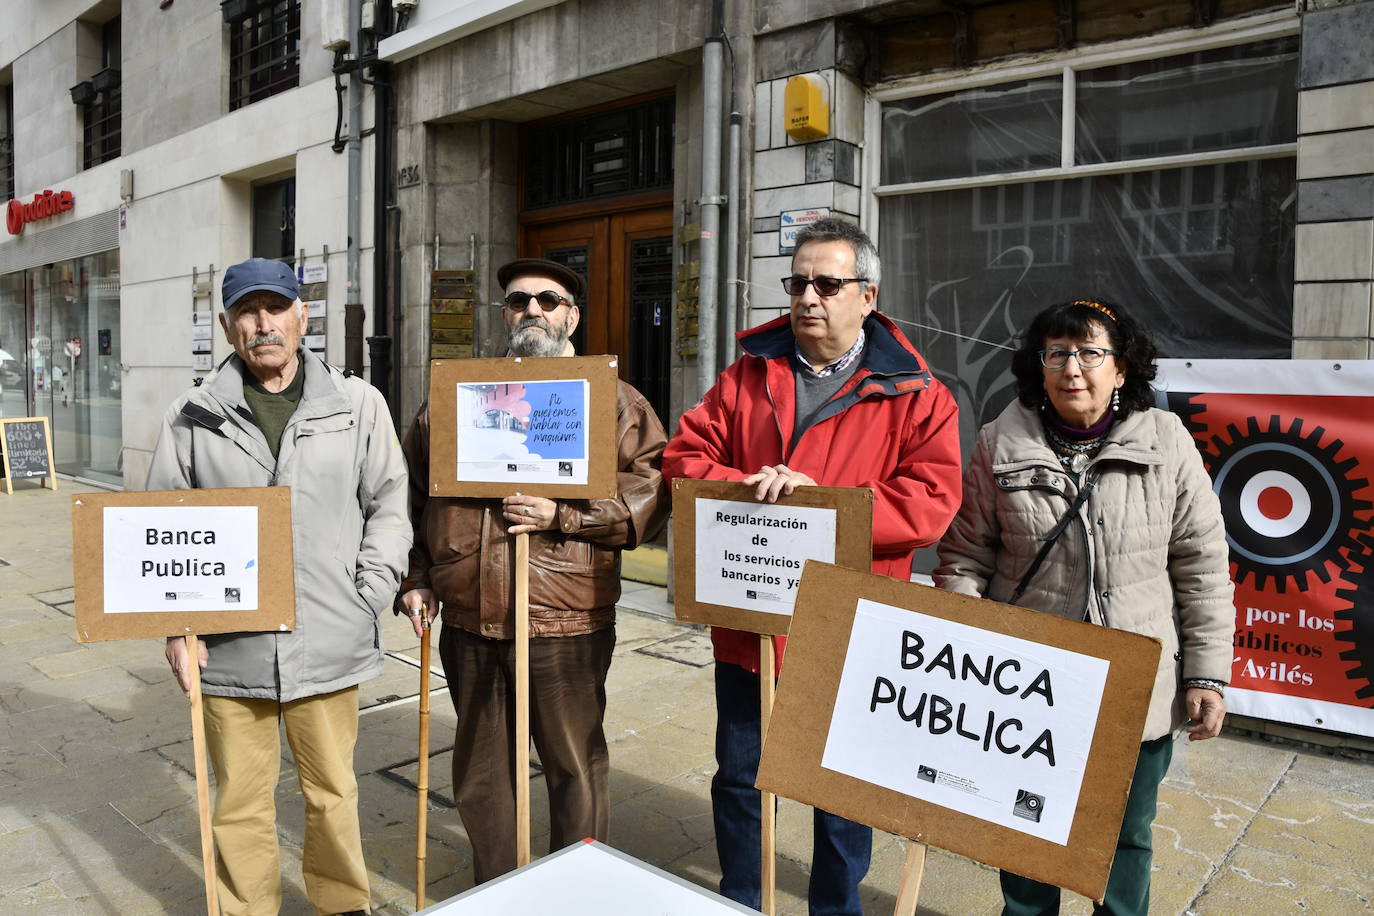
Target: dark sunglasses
<point>548,300</point>
<point>795,285</point>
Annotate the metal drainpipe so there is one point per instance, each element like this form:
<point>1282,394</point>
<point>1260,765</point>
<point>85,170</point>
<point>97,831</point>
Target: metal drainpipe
<point>732,215</point>
<point>353,302</point>
<point>712,66</point>
<point>382,345</point>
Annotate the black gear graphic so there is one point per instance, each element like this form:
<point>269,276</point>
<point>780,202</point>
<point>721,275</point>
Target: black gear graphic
<point>1187,405</point>
<point>1332,523</point>
<point>1360,615</point>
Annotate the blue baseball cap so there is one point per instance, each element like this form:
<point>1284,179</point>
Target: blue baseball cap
<point>258,274</point>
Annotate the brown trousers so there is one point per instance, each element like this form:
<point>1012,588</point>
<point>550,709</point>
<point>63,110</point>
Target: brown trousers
<point>567,705</point>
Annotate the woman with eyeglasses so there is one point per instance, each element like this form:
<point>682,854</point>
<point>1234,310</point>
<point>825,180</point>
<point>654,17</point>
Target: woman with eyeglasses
<point>1083,500</point>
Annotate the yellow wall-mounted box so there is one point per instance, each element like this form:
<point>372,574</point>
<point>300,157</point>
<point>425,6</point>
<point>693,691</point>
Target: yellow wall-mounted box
<point>806,113</point>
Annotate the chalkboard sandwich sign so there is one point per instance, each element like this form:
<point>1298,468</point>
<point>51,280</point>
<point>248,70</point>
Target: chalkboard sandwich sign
<point>26,451</point>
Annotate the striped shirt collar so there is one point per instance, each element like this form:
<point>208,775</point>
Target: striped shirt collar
<point>842,363</point>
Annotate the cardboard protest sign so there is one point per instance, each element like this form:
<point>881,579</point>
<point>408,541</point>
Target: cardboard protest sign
<point>179,562</point>
<point>588,879</point>
<point>998,733</point>
<point>738,562</point>
<point>542,427</point>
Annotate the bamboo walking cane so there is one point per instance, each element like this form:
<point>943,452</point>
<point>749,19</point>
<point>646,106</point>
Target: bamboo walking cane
<point>522,699</point>
<point>207,838</point>
<point>422,776</point>
<point>769,826</point>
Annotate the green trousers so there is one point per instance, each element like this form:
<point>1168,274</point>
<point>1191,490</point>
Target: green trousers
<point>1128,886</point>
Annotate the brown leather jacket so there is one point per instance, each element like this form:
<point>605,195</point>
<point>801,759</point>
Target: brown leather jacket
<point>463,553</point>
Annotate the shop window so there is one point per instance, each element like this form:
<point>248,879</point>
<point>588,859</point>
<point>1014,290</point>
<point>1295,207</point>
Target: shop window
<point>264,48</point>
<point>274,220</point>
<point>1171,191</point>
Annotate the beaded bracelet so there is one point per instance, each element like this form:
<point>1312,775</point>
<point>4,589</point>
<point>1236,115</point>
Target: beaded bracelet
<point>1207,684</point>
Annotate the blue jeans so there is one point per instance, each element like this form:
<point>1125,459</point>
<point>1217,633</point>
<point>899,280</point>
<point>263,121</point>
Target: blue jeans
<point>840,848</point>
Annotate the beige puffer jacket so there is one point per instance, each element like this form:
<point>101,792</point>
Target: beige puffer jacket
<point>1146,554</point>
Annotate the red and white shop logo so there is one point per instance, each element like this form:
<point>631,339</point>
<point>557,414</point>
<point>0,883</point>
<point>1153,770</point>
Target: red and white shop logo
<point>49,203</point>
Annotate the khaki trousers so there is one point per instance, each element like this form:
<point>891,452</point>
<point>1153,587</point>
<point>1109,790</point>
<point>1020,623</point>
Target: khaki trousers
<point>244,741</point>
<point>567,705</point>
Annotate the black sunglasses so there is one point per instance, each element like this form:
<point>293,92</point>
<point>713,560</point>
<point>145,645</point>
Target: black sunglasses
<point>548,300</point>
<point>795,285</point>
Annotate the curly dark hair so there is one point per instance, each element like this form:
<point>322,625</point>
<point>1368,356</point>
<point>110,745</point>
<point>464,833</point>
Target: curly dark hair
<point>1135,349</point>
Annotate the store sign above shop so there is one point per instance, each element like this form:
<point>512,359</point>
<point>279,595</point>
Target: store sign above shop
<point>47,204</point>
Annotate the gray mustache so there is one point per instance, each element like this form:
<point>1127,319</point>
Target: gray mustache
<point>259,340</point>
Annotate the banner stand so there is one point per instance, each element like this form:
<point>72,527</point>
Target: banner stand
<point>522,699</point>
<point>768,801</point>
<point>207,837</point>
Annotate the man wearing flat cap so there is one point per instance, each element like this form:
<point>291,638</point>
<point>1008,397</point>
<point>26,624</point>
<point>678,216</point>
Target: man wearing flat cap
<point>274,414</point>
<point>463,560</point>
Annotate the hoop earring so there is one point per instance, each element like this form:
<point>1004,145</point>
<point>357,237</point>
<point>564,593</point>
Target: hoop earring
<point>1116,400</point>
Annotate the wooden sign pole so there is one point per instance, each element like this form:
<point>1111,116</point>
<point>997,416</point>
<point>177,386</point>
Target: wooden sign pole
<point>207,838</point>
<point>522,699</point>
<point>909,885</point>
<point>769,826</point>
<point>422,776</point>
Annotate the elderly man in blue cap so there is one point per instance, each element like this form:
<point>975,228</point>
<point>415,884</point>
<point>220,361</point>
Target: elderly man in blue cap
<point>274,414</point>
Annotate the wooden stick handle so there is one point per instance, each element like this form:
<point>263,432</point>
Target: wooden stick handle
<point>522,699</point>
<point>207,837</point>
<point>909,886</point>
<point>422,776</point>
<point>769,828</point>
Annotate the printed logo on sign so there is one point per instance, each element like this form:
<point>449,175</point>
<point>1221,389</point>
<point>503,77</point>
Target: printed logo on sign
<point>925,773</point>
<point>751,594</point>
<point>231,596</point>
<point>169,596</point>
<point>1028,805</point>
<point>511,468</point>
<point>565,469</point>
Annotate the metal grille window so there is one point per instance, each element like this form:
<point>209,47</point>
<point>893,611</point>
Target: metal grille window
<point>264,48</point>
<point>100,121</point>
<point>7,140</point>
<point>622,151</point>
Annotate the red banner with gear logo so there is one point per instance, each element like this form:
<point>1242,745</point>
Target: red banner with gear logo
<point>1290,448</point>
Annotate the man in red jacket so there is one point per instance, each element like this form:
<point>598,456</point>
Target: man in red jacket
<point>831,394</point>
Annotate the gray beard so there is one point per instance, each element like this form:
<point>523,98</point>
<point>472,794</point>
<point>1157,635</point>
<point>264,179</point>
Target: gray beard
<point>532,342</point>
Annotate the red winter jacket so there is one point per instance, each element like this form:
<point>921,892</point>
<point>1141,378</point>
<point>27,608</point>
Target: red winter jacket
<point>892,428</point>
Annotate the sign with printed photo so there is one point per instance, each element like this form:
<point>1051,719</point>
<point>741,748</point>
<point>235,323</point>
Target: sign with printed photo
<point>1290,447</point>
<point>543,427</point>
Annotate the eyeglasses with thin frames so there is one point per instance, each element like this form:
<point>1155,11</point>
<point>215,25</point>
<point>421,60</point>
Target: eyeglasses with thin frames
<point>1088,357</point>
<point>796,284</point>
<point>548,300</point>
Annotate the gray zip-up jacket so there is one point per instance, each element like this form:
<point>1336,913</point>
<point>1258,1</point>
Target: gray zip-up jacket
<point>350,529</point>
<point>1147,552</point>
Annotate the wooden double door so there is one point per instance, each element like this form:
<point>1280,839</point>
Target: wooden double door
<point>626,259</point>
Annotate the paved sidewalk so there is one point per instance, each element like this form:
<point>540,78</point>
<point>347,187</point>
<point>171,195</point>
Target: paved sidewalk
<point>98,814</point>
